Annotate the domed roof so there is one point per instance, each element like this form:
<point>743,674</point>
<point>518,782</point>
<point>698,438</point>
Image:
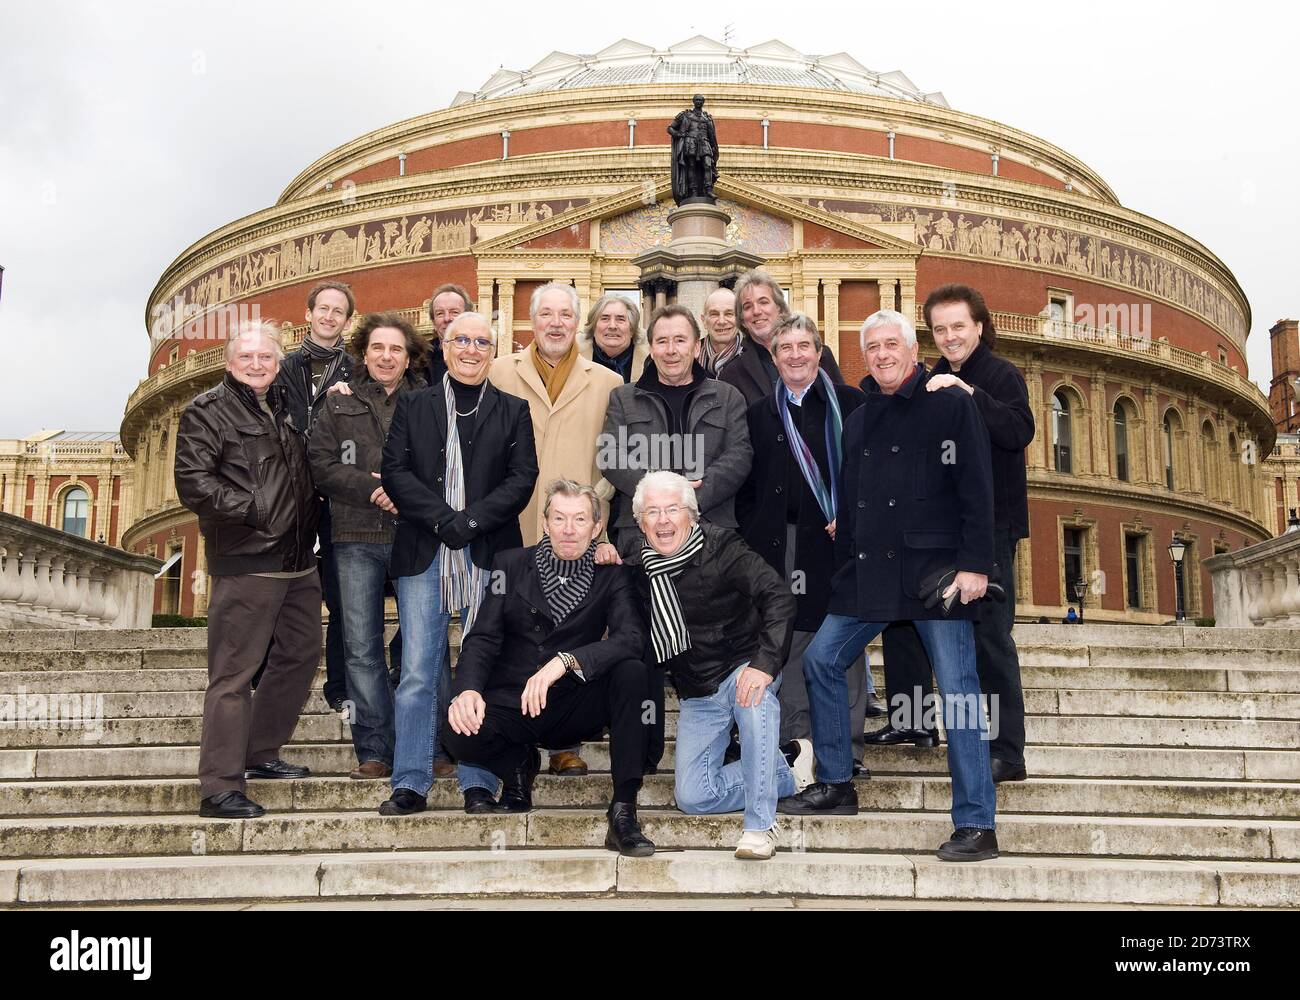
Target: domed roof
<point>698,60</point>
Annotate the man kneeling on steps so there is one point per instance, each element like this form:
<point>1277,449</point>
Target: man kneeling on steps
<point>537,667</point>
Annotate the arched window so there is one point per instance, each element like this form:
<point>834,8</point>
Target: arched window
<point>1121,443</point>
<point>76,511</point>
<point>1168,438</point>
<point>1236,494</point>
<point>1210,461</point>
<point>1061,437</point>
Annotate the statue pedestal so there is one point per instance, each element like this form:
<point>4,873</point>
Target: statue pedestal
<point>696,260</point>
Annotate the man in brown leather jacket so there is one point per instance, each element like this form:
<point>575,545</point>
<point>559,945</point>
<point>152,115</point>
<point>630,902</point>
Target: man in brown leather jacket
<point>241,466</point>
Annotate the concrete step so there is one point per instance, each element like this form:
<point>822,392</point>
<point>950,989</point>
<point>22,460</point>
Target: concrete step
<point>162,796</point>
<point>147,732</point>
<point>882,832</point>
<point>337,758</point>
<point>91,681</point>
<point>113,705</point>
<point>1241,705</point>
<point>588,873</point>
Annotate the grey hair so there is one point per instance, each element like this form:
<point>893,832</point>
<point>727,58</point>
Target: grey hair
<point>256,328</point>
<point>451,327</point>
<point>552,286</point>
<point>801,322</point>
<point>571,488</point>
<point>665,480</point>
<point>887,317</point>
<point>759,277</point>
<point>588,332</point>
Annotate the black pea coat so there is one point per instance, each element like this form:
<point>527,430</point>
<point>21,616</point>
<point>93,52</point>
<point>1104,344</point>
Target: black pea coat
<point>1003,401</point>
<point>514,634</point>
<point>763,502</point>
<point>499,478</point>
<point>916,498</point>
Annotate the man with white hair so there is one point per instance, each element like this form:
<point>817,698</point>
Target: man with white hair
<point>914,543</point>
<point>241,466</point>
<point>567,395</point>
<point>719,624</point>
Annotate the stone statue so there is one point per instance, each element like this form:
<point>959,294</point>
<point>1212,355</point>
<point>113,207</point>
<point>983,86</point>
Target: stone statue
<point>695,154</point>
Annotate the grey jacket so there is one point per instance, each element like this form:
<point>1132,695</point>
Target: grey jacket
<point>713,444</point>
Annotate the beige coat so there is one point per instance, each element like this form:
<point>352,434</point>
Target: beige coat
<point>640,355</point>
<point>566,431</point>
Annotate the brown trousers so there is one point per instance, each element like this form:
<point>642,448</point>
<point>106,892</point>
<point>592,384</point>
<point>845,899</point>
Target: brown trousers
<point>242,727</point>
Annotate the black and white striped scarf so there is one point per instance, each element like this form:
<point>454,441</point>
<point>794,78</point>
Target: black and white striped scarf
<point>565,582</point>
<point>667,624</point>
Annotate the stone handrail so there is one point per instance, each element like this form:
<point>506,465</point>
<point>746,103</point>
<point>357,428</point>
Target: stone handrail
<point>1023,327</point>
<point>1258,586</point>
<point>51,579</point>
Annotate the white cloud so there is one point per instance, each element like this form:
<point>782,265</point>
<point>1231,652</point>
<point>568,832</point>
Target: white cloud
<point>127,132</point>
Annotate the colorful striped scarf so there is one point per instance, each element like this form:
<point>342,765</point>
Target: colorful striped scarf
<point>827,495</point>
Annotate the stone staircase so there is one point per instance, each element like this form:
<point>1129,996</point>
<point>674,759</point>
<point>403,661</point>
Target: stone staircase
<point>1165,771</point>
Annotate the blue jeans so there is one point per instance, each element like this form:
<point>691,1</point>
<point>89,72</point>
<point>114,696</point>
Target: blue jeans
<point>362,570</point>
<point>753,783</point>
<point>951,647</point>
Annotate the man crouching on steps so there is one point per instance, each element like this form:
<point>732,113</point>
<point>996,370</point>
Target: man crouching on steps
<point>720,620</point>
<point>536,668</point>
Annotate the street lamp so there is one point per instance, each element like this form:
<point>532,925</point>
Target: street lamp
<point>1177,549</point>
<point>1081,591</point>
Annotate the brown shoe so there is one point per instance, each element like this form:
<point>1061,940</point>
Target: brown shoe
<point>370,770</point>
<point>444,769</point>
<point>567,763</point>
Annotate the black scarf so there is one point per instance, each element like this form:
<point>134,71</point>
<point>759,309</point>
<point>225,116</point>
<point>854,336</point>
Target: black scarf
<point>564,581</point>
<point>332,355</point>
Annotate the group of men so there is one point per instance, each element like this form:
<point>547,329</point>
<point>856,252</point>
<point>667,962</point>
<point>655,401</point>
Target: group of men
<point>704,502</point>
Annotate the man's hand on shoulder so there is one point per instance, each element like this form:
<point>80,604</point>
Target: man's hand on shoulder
<point>944,380</point>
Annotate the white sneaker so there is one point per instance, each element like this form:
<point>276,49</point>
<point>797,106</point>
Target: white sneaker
<point>802,764</point>
<point>758,846</point>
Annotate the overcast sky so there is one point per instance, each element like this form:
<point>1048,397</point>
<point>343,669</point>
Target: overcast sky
<point>130,130</point>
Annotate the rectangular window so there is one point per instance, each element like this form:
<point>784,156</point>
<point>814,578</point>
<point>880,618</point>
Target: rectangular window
<point>1133,569</point>
<point>1223,355</point>
<point>1073,550</point>
<point>173,354</point>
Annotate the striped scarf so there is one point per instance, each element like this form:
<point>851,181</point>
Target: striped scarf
<point>714,360</point>
<point>461,582</point>
<point>565,582</point>
<point>827,495</point>
<point>667,623</point>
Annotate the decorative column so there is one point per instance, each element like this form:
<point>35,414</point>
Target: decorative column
<point>1154,437</point>
<point>1100,449</point>
<point>506,316</point>
<point>1034,383</point>
<point>907,297</point>
<point>886,292</point>
<point>831,322</point>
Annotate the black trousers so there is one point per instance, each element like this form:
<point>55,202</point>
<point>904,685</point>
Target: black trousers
<point>618,698</point>
<point>996,658</point>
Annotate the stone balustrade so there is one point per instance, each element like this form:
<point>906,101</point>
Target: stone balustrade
<point>51,579</point>
<point>1259,585</point>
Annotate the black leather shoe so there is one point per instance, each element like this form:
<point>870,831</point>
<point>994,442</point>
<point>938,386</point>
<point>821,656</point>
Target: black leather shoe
<point>231,805</point>
<point>276,769</point>
<point>968,844</point>
<point>1006,771</point>
<point>517,790</point>
<point>624,834</point>
<point>876,707</point>
<point>403,802</point>
<point>822,799</point>
<point>479,800</point>
<point>889,736</point>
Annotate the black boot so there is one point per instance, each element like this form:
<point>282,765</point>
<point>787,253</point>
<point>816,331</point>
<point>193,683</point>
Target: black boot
<point>889,736</point>
<point>517,789</point>
<point>403,802</point>
<point>624,834</point>
<point>969,844</point>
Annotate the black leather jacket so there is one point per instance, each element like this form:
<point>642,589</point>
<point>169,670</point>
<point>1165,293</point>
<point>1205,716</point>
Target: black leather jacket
<point>736,608</point>
<point>246,477</point>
